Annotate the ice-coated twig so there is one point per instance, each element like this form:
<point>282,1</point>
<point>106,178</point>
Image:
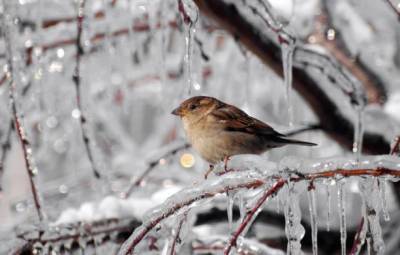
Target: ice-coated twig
<point>78,86</point>
<point>17,115</point>
<point>169,209</point>
<point>151,166</point>
<point>358,242</point>
<point>394,8</point>
<point>395,150</point>
<point>224,184</point>
<point>104,228</point>
<point>178,231</point>
<point>249,216</point>
<point>5,146</point>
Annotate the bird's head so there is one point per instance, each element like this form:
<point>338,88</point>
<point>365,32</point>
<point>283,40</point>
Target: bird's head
<point>196,107</point>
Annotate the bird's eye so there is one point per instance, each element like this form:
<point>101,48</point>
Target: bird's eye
<point>192,107</point>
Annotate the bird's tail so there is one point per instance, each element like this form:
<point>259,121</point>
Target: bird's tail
<point>298,142</point>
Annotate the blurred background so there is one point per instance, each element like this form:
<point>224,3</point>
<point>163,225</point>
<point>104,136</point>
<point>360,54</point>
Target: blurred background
<point>139,61</point>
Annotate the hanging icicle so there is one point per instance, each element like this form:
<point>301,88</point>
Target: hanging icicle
<point>342,215</point>
<point>294,230</point>
<point>287,49</point>
<point>313,219</point>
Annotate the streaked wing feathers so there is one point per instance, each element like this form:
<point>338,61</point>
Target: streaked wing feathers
<point>237,120</point>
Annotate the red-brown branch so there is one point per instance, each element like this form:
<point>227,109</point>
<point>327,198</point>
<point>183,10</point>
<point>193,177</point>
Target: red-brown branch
<point>395,150</point>
<point>20,129</point>
<point>249,216</point>
<point>357,239</point>
<point>178,231</point>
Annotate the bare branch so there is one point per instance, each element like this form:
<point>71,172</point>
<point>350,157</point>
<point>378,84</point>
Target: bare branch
<point>394,8</point>
<point>151,166</point>
<point>77,80</point>
<point>17,116</point>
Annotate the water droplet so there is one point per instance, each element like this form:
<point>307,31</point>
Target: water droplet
<point>76,113</point>
<point>60,53</point>
<point>55,66</point>
<point>20,207</point>
<point>52,122</point>
<point>330,34</point>
<point>63,189</point>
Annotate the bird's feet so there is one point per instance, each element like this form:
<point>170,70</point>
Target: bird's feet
<point>210,169</point>
<point>226,159</point>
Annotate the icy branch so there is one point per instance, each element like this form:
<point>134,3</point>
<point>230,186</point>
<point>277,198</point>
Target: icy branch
<point>244,180</point>
<point>77,80</point>
<point>16,114</point>
<point>248,218</point>
<point>166,152</point>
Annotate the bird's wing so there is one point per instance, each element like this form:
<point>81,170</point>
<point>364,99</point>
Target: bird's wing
<point>235,119</point>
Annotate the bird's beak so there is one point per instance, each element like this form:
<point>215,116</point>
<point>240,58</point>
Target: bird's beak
<point>177,111</point>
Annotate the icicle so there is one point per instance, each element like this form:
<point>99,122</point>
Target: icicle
<point>313,218</point>
<point>287,60</point>
<point>188,57</point>
<point>190,15</point>
<point>342,216</point>
<point>242,208</point>
<point>372,196</point>
<point>382,184</point>
<point>293,228</point>
<point>369,249</point>
<point>328,218</point>
<point>358,132</point>
<point>229,209</point>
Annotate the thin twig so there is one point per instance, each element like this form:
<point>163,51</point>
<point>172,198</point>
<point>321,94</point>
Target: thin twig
<point>77,80</point>
<point>249,216</point>
<point>357,244</point>
<point>6,145</point>
<point>20,129</point>
<point>151,166</point>
<point>178,231</point>
<point>394,8</point>
<point>395,150</point>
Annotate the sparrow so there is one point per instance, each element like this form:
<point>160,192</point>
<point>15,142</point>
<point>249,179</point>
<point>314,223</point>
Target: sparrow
<point>218,130</point>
